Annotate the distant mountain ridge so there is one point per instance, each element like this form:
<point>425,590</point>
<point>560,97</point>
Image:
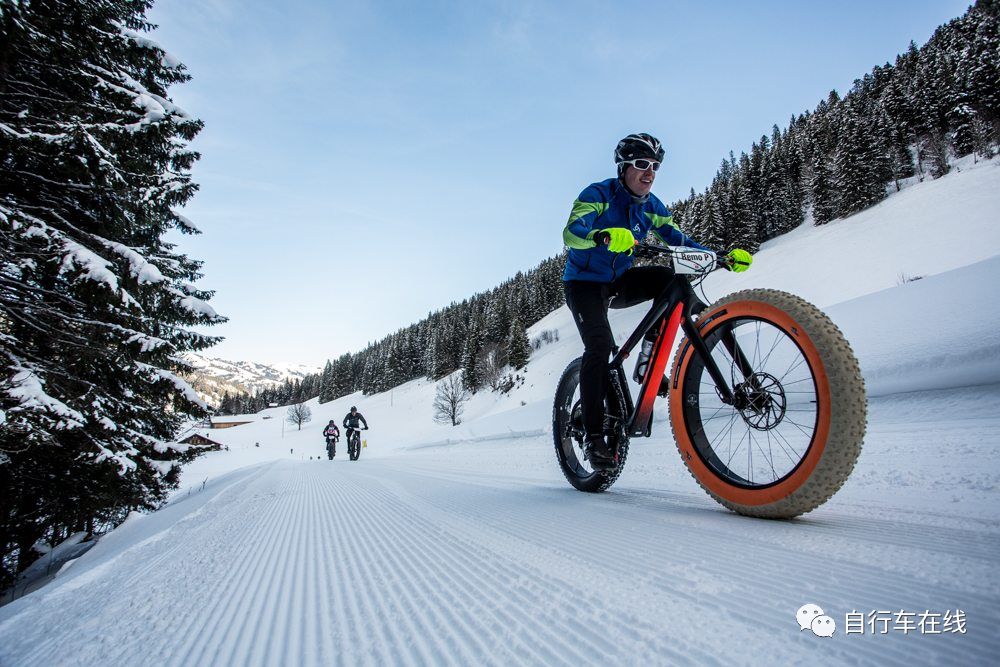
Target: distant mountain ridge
<point>213,377</point>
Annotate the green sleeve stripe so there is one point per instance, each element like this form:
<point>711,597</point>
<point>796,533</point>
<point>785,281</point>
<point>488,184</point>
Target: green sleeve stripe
<point>573,241</point>
<point>661,220</point>
<point>582,208</point>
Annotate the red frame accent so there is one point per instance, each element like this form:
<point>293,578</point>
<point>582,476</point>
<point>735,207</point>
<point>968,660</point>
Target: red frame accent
<point>658,366</point>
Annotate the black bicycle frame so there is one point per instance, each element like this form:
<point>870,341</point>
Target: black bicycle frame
<point>673,309</point>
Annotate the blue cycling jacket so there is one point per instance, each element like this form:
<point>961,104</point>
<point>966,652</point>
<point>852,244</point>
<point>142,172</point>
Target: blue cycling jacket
<point>610,204</point>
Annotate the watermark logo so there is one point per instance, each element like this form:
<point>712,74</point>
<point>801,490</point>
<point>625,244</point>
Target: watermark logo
<point>882,622</point>
<point>811,617</point>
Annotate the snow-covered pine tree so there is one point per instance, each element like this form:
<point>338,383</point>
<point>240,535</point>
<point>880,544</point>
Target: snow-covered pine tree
<point>822,193</point>
<point>326,383</point>
<point>742,220</point>
<point>690,220</point>
<point>495,318</point>
<point>95,306</point>
<point>893,134</point>
<point>470,355</point>
<point>343,378</point>
<point>856,177</point>
<point>980,67</point>
<point>518,345</point>
<point>715,233</point>
<point>395,363</point>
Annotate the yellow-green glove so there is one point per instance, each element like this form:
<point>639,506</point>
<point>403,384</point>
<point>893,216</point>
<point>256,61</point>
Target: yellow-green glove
<point>618,239</point>
<point>738,260</point>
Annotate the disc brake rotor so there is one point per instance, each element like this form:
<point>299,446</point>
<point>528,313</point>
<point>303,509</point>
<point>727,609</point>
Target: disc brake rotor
<point>761,401</point>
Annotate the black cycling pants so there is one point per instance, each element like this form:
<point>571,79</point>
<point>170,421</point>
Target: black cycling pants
<point>589,303</point>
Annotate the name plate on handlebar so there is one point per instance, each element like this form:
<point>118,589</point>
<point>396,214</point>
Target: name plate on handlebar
<point>689,261</point>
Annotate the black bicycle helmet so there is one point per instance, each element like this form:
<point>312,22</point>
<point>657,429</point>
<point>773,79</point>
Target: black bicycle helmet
<point>638,146</point>
<point>353,408</point>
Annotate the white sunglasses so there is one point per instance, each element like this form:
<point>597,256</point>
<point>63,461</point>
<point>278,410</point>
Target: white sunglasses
<point>643,165</point>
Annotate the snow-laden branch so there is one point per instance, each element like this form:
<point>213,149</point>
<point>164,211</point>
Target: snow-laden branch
<point>157,108</point>
<point>121,458</point>
<point>148,343</point>
<point>141,269</point>
<point>186,224</point>
<point>95,267</point>
<point>33,135</point>
<point>167,59</point>
<point>98,268</point>
<point>29,391</point>
<point>179,384</point>
<point>193,304</point>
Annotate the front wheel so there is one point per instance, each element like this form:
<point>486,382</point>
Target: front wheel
<point>791,438</point>
<point>567,432</point>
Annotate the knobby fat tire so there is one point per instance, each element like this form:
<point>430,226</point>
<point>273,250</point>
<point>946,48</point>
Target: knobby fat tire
<point>831,456</point>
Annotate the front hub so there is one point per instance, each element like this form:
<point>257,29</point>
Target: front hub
<point>761,401</point>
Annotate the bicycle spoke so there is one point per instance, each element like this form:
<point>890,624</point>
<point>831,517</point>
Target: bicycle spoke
<point>725,429</point>
<point>728,429</point>
<point>798,457</point>
<point>801,428</point>
<point>749,457</point>
<point>778,438</point>
<point>714,417</point>
<point>756,347</point>
<point>798,362</point>
<point>732,452</point>
<point>777,340</point>
<point>768,458</point>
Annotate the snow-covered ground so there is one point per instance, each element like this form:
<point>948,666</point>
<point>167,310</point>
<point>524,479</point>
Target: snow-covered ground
<point>464,545</point>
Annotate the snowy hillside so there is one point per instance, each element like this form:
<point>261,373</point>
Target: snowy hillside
<point>214,377</point>
<point>464,545</point>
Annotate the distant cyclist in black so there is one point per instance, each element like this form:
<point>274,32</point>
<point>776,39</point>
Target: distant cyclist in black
<point>351,422</point>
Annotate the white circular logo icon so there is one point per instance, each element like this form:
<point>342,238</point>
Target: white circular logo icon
<point>806,614</point>
<point>823,626</point>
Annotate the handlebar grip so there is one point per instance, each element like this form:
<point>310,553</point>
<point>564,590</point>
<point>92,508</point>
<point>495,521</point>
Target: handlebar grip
<point>602,238</point>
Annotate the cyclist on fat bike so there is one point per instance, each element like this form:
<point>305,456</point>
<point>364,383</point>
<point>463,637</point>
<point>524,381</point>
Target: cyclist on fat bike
<point>332,434</point>
<point>351,420</point>
<point>606,222</point>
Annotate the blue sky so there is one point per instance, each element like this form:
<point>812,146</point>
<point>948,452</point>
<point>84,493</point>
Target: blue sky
<point>364,163</point>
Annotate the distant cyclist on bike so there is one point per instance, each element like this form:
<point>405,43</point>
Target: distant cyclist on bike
<point>332,434</point>
<point>351,420</point>
<point>606,222</point>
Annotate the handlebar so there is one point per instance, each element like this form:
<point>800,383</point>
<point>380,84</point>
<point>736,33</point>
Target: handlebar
<point>690,261</point>
<point>699,267</point>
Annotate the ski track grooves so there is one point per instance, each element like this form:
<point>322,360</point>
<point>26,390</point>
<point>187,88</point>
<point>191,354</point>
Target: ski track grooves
<point>376,563</point>
<point>497,508</point>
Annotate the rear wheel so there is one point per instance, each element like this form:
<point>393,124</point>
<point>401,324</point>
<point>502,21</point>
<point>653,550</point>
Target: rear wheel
<point>794,433</point>
<point>568,434</point>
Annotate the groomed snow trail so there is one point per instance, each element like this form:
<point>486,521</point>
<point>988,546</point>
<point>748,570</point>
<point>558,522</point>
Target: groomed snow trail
<point>405,561</point>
